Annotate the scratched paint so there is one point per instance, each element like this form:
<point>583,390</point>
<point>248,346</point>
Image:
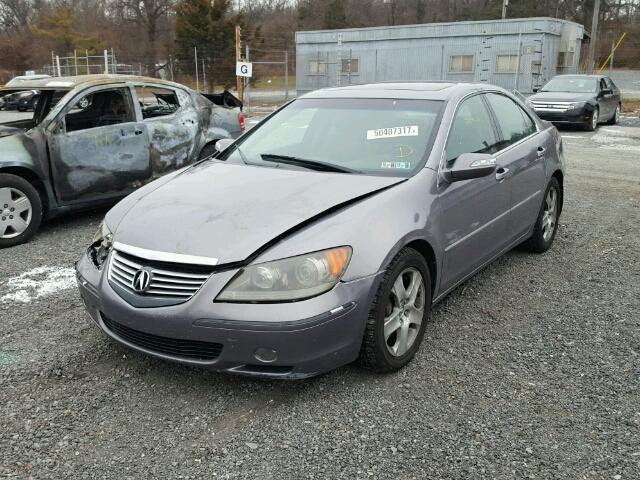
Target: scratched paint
<point>37,283</point>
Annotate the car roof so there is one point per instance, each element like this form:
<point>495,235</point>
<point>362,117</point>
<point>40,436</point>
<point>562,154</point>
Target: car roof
<point>68,83</point>
<point>406,90</point>
<point>577,75</point>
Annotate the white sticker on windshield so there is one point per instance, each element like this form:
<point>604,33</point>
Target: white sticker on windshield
<point>391,132</point>
<point>396,165</point>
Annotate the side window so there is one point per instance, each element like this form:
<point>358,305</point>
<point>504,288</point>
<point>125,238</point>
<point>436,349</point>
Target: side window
<point>514,123</point>
<point>610,83</point>
<point>471,131</point>
<point>156,101</point>
<point>603,84</point>
<point>101,108</point>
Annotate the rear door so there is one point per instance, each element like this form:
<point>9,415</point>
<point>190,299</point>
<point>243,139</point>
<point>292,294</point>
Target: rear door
<point>521,154</point>
<point>98,150</point>
<point>474,212</point>
<point>173,125</point>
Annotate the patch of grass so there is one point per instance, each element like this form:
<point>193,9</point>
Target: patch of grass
<point>631,105</point>
<point>274,82</point>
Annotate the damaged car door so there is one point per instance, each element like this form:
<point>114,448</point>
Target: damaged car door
<point>172,123</point>
<point>98,148</point>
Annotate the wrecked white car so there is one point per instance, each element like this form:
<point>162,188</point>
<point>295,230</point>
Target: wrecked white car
<point>93,139</point>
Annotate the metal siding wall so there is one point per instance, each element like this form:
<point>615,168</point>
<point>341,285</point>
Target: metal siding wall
<point>381,57</point>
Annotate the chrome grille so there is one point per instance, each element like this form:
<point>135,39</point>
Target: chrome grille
<point>551,106</point>
<point>164,283</point>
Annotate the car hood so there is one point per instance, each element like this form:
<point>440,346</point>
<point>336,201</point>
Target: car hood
<point>233,212</point>
<point>6,131</point>
<point>561,97</point>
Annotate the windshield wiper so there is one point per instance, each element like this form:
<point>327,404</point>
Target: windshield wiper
<point>303,162</point>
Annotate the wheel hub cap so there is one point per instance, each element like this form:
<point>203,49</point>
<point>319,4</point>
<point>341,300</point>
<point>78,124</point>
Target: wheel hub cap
<point>16,212</point>
<point>550,214</point>
<point>404,311</point>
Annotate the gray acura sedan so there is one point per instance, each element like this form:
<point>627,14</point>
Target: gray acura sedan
<point>325,234</point>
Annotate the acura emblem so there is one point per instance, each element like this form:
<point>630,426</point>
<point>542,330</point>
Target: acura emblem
<point>141,280</point>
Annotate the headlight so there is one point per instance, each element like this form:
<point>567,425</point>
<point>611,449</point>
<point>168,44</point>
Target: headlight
<point>101,245</point>
<point>289,279</point>
<point>577,104</point>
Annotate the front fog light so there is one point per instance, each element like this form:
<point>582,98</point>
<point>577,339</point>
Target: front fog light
<point>265,355</point>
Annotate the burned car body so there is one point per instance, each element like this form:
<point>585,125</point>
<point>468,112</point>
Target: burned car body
<point>95,139</point>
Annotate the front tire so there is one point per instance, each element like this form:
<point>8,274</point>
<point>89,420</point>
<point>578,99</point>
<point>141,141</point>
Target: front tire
<point>20,210</point>
<point>544,231</point>
<point>398,315</point>
<point>593,124</point>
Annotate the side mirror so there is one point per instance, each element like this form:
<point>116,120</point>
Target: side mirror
<point>471,165</point>
<point>536,90</point>
<point>222,145</point>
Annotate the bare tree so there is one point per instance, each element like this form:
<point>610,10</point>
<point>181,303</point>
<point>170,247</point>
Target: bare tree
<point>148,14</point>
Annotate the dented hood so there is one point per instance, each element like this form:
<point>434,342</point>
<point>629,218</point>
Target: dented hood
<point>230,212</point>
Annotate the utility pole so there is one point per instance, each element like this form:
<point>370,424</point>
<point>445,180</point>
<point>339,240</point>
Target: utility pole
<point>195,55</point>
<point>594,37</point>
<point>505,3</point>
<point>239,80</point>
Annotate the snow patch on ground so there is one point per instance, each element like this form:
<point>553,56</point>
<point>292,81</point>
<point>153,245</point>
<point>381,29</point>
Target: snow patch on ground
<point>36,283</point>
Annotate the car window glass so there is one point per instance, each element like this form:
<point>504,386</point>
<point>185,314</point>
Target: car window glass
<point>513,122</point>
<point>98,109</point>
<point>156,101</point>
<point>471,131</point>
<point>603,84</point>
<point>610,83</point>
<point>381,136</point>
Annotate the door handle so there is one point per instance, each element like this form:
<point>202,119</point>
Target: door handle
<point>137,132</point>
<point>501,173</point>
<point>540,151</point>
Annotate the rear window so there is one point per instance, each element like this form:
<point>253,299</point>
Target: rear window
<point>374,136</point>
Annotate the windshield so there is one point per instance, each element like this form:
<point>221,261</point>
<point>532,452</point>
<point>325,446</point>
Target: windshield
<point>571,85</point>
<point>371,136</point>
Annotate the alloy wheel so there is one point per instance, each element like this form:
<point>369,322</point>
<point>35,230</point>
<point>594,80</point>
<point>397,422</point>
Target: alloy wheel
<point>15,212</point>
<point>550,214</point>
<point>594,119</point>
<point>404,312</point>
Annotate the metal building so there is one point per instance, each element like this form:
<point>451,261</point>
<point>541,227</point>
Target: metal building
<point>520,53</point>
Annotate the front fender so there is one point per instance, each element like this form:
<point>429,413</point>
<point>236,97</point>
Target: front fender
<point>377,228</point>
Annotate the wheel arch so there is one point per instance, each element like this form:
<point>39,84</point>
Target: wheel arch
<point>558,175</point>
<point>426,250</point>
<point>33,178</point>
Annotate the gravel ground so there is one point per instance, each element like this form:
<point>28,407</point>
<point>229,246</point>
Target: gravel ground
<point>529,370</point>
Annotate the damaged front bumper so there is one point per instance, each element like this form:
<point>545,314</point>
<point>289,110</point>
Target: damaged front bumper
<point>285,340</point>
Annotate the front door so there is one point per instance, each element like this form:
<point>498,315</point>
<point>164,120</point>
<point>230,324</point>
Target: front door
<point>98,150</point>
<point>473,212</point>
<point>522,152</point>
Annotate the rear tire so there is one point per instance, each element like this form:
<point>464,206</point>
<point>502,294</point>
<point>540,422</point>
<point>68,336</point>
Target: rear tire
<point>398,315</point>
<point>616,116</point>
<point>20,210</point>
<point>546,227</point>
<point>208,150</point>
